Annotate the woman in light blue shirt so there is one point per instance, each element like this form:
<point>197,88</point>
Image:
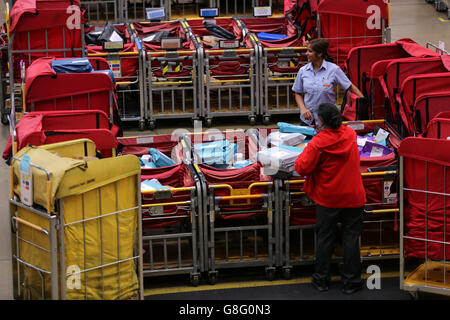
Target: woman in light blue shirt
<point>315,82</point>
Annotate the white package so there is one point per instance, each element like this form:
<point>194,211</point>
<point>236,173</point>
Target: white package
<point>288,139</point>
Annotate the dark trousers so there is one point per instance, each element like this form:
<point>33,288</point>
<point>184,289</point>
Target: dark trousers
<point>326,230</point>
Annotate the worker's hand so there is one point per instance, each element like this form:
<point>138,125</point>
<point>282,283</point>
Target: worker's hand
<point>307,114</point>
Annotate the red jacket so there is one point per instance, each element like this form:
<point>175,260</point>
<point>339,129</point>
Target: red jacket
<point>331,164</point>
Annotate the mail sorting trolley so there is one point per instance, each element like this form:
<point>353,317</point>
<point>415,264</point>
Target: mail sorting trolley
<point>89,87</point>
<point>172,225</point>
<point>125,58</point>
<point>76,231</point>
<point>171,64</point>
<point>37,30</point>
<point>229,72</point>
<point>379,236</point>
<point>280,55</point>
<point>424,207</point>
<point>238,207</point>
<point>366,67</point>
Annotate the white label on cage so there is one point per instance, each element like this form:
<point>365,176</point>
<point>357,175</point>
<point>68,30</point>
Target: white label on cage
<point>155,13</point>
<point>26,181</point>
<point>144,140</point>
<point>115,67</point>
<point>358,126</point>
<point>262,11</point>
<point>441,45</point>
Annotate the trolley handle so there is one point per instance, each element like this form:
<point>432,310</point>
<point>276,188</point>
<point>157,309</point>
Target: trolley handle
<point>229,187</point>
<point>364,174</point>
<point>381,211</point>
<point>31,225</point>
<point>169,189</point>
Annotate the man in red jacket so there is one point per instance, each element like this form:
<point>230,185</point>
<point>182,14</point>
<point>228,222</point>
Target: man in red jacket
<point>331,164</point>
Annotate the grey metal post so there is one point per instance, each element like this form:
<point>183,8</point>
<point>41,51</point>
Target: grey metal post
<point>402,261</point>
<point>53,235</point>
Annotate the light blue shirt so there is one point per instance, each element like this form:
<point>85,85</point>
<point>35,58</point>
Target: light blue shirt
<point>318,87</point>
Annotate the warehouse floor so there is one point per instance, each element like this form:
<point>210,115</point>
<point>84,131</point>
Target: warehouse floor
<point>409,19</point>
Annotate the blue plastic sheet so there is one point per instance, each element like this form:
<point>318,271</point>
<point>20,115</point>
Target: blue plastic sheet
<point>76,65</point>
<point>160,159</point>
<point>270,36</point>
<point>290,128</point>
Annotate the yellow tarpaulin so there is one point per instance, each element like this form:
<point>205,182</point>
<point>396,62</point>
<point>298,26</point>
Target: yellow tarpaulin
<point>98,211</point>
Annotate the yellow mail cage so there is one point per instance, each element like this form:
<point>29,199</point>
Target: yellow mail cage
<point>76,223</point>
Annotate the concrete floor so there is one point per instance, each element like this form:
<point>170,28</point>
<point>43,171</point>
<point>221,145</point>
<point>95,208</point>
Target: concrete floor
<point>409,19</point>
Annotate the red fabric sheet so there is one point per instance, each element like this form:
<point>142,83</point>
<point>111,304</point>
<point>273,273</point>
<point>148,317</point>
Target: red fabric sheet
<point>416,85</point>
<point>49,23</point>
<point>46,91</point>
<point>439,126</point>
<point>399,69</point>
<point>38,128</point>
<point>426,162</point>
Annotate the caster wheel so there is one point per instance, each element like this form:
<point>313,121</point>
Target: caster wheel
<point>212,278</point>
<point>195,279</point>
<point>270,273</point>
<point>141,125</point>
<point>415,295</point>
<point>151,125</point>
<point>287,273</point>
<point>208,123</point>
<point>252,121</point>
<point>266,120</point>
<point>5,120</point>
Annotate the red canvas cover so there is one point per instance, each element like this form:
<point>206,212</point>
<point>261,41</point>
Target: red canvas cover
<point>294,41</point>
<point>238,179</point>
<point>398,70</point>
<point>361,58</point>
<point>353,8</point>
<point>38,128</point>
<point>344,24</point>
<point>416,85</point>
<point>303,13</point>
<point>426,165</point>
<point>427,107</point>
<point>439,126</point>
<point>44,23</point>
<point>277,25</point>
<point>365,65</point>
<point>37,14</point>
<point>48,91</point>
